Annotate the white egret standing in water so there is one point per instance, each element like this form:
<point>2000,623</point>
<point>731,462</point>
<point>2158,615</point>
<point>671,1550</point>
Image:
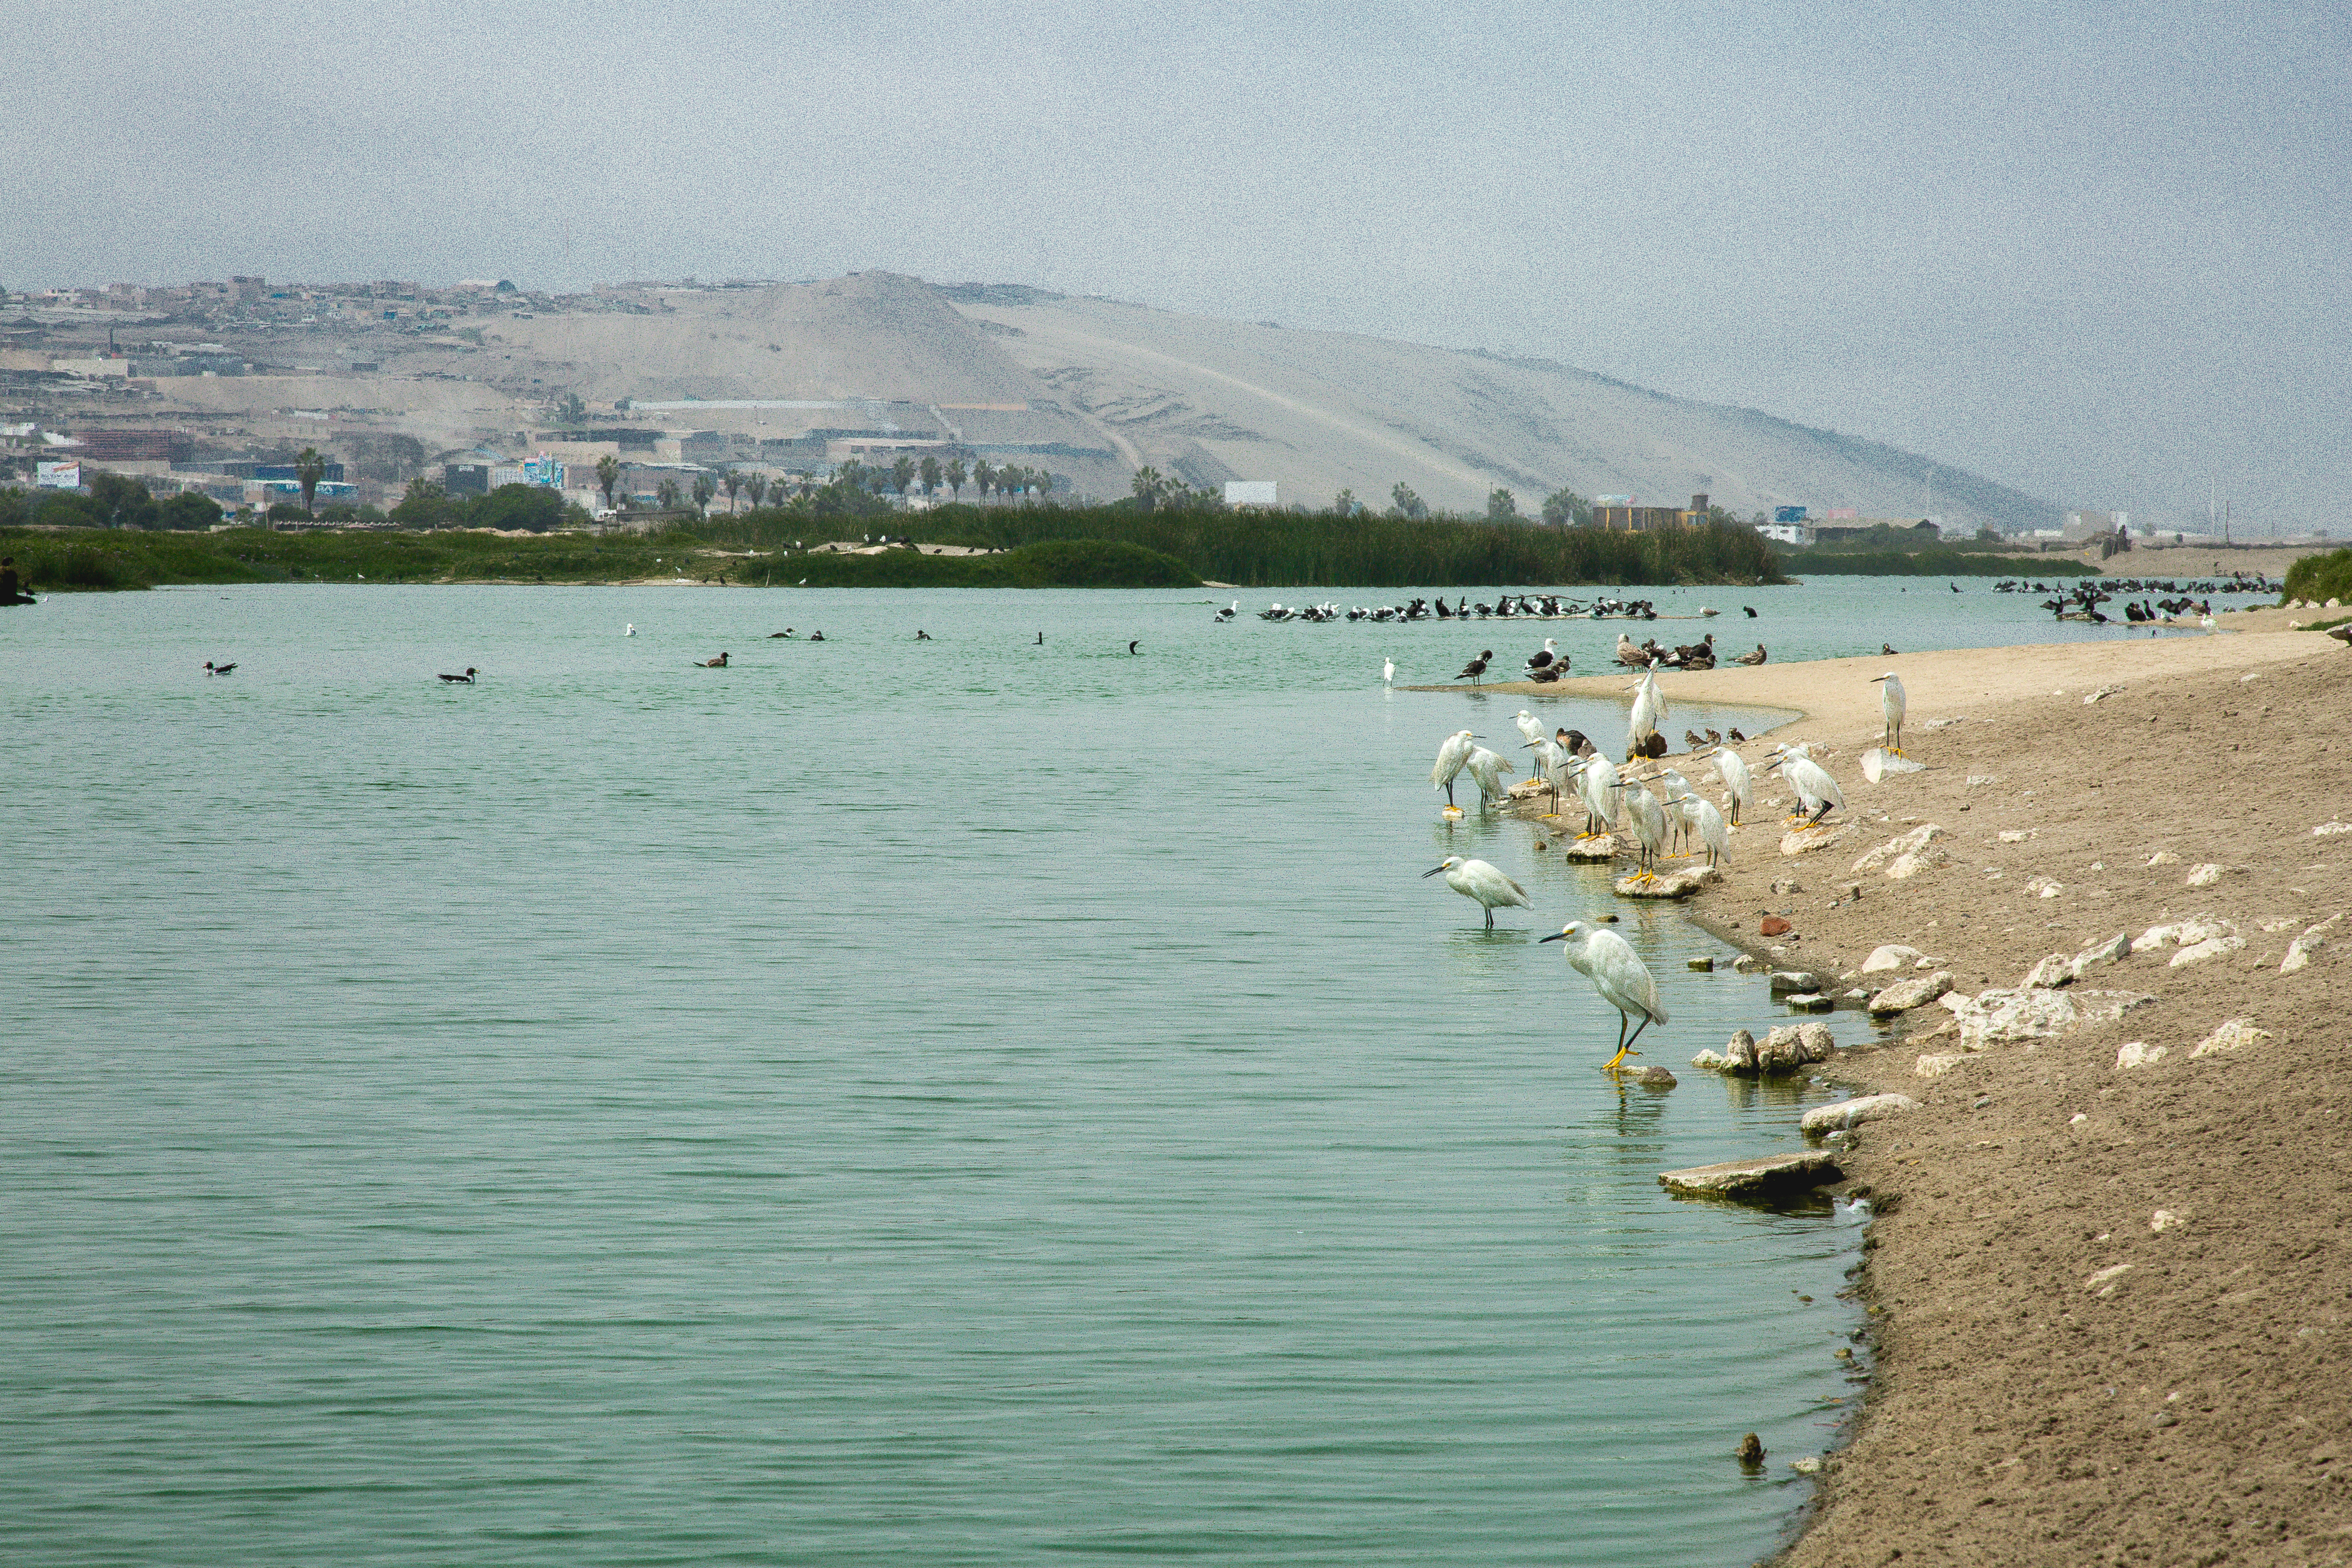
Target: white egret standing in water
<point>1598,785</point>
<point>1647,818</point>
<point>1618,974</point>
<point>1477,880</point>
<point>1450,757</point>
<point>1892,701</point>
<point>1388,672</point>
<point>1489,769</point>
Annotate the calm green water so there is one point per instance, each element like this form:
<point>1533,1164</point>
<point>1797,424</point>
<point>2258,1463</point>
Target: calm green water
<point>957,1102</point>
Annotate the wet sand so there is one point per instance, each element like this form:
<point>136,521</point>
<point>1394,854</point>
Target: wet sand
<point>2111,1306</point>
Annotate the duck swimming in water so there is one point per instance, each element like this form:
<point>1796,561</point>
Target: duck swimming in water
<point>212,668</point>
<point>465,679</point>
<point>719,663</point>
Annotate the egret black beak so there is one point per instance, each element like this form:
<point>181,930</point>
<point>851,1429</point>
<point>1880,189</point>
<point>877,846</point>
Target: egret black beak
<point>1432,871</point>
<point>1555,936</point>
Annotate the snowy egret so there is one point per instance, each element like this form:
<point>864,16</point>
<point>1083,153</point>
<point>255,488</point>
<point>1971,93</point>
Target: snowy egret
<point>1489,769</point>
<point>1892,701</point>
<point>1530,726</point>
<point>1736,779</point>
<point>1621,978</point>
<point>1450,757</point>
<point>1477,880</point>
<point>1700,815</point>
<point>1598,785</point>
<point>1551,760</point>
<point>1388,672</point>
<point>1816,791</point>
<point>1647,818</point>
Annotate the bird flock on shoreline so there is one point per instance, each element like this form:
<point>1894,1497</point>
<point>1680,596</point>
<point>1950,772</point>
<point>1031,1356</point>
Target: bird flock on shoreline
<point>1656,807</point>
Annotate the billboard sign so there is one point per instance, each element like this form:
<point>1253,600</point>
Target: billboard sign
<point>1788,514</point>
<point>1250,492</point>
<point>57,475</point>
<point>1612,500</point>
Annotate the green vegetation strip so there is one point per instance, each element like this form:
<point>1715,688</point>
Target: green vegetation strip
<point>1935,562</point>
<point>2320,578</point>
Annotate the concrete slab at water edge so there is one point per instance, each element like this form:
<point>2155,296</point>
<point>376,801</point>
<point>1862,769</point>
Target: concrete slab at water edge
<point>1761,1179</point>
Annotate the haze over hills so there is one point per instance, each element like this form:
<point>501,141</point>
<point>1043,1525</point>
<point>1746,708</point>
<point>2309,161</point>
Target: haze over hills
<point>1091,389</point>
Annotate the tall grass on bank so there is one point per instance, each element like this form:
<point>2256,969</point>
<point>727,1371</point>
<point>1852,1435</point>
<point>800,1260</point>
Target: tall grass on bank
<point>2320,578</point>
<point>1286,550</point>
<point>1050,564</point>
<point>1932,562</point>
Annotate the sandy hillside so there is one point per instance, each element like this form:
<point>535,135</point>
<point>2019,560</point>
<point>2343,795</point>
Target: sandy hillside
<point>2111,1305</point>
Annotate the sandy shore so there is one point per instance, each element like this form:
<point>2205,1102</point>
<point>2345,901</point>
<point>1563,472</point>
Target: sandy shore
<point>2111,1306</point>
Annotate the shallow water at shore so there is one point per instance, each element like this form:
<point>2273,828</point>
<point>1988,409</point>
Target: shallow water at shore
<point>879,1103</point>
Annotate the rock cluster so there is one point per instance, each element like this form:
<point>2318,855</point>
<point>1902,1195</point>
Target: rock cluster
<point>1904,856</point>
<point>2037,1012</point>
<point>1785,1049</point>
<point>1906,995</point>
<point>1848,1114</point>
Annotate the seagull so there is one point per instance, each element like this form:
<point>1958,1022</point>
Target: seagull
<point>629,630</point>
<point>1892,701</point>
<point>1752,660</point>
<point>1450,757</point>
<point>1628,653</point>
<point>1477,879</point>
<point>1545,657</point>
<point>212,668</point>
<point>719,663</point>
<point>1475,668</point>
<point>1621,978</point>
<point>465,679</point>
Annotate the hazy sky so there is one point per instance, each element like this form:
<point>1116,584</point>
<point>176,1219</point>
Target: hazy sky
<point>2098,252</point>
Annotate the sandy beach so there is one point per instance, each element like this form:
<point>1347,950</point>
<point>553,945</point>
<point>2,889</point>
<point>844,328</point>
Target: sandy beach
<point>2110,1305</point>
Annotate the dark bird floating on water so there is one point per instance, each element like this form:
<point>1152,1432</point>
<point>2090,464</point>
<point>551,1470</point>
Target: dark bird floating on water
<point>1750,658</point>
<point>785,633</point>
<point>1476,669</point>
<point>1886,648</point>
<point>212,668</point>
<point>1751,612</point>
<point>719,663</point>
<point>465,679</point>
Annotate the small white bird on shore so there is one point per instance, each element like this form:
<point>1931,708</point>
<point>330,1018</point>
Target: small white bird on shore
<point>1450,756</point>
<point>1618,974</point>
<point>1733,768</point>
<point>1892,701</point>
<point>1816,791</point>
<point>1485,885</point>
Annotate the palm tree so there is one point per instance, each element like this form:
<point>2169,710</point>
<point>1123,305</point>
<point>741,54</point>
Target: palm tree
<point>703,490</point>
<point>902,474</point>
<point>757,485</point>
<point>309,469</point>
<point>608,474</point>
<point>666,493</point>
<point>955,478</point>
<point>930,473</point>
<point>984,477</point>
<point>1149,488</point>
<point>734,484</point>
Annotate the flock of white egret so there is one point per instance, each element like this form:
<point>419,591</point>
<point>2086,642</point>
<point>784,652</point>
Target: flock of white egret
<point>1652,807</point>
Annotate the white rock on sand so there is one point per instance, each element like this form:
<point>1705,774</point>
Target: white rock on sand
<point>2234,1034</point>
<point>2204,876</point>
<point>2184,933</point>
<point>1847,1114</point>
<point>2299,953</point>
<point>1906,995</point>
<point>1937,1064</point>
<point>2111,951</point>
<point>1991,1017</point>
<point>1893,955</point>
<point>2140,1054</point>
<point>1896,849</point>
